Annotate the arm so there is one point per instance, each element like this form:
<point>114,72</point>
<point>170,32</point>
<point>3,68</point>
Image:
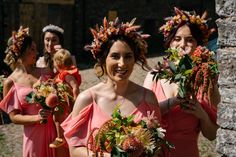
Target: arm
<point>17,118</point>
<point>15,115</point>
<point>215,97</point>
<point>70,79</point>
<point>148,82</point>
<point>81,102</point>
<point>8,83</point>
<point>208,127</point>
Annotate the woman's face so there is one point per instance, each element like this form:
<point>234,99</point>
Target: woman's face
<point>120,61</point>
<point>184,40</point>
<point>50,40</point>
<point>31,54</point>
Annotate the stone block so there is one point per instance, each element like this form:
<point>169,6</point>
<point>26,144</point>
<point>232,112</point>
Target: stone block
<point>227,66</point>
<point>226,32</point>
<point>226,142</point>
<point>226,8</point>
<point>226,115</point>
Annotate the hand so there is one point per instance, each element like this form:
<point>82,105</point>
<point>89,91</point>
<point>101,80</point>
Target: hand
<point>195,108</point>
<point>44,114</point>
<point>57,47</point>
<point>177,100</point>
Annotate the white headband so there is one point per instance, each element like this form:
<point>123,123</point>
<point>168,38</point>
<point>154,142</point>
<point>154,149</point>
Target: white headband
<point>53,28</point>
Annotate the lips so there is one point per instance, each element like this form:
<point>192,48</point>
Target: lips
<point>121,72</point>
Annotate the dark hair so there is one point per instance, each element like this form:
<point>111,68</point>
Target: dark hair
<point>194,29</point>
<point>101,59</point>
<point>11,58</point>
<point>47,56</point>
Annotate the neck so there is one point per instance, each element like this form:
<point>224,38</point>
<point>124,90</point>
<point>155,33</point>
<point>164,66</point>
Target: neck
<point>26,68</point>
<point>119,87</point>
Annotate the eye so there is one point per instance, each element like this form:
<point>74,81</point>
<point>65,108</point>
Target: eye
<point>177,38</point>
<point>190,39</point>
<point>129,56</point>
<point>115,56</point>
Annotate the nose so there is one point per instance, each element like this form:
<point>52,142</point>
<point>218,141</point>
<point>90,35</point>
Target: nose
<point>49,42</point>
<point>121,62</point>
<point>183,43</point>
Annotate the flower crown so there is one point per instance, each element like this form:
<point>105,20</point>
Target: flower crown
<point>53,28</point>
<point>115,28</point>
<point>18,38</point>
<point>182,17</point>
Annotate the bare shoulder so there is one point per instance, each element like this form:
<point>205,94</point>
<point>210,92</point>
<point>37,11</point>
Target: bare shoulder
<point>7,84</point>
<point>84,99</point>
<point>148,82</point>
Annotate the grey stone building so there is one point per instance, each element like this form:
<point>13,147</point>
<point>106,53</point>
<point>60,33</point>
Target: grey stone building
<point>226,134</point>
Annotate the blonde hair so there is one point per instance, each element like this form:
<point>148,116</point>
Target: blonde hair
<point>63,59</point>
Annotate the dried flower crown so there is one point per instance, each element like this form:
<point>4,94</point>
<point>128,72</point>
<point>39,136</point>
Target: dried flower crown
<point>53,28</point>
<point>182,17</point>
<point>18,38</point>
<point>115,28</point>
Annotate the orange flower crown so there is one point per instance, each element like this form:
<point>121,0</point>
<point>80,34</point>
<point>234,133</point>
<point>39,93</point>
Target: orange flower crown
<point>18,38</point>
<point>115,28</point>
<point>182,17</point>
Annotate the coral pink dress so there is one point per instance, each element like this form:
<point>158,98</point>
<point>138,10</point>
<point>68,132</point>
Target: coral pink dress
<point>73,71</point>
<point>37,137</point>
<point>182,129</point>
<point>78,129</point>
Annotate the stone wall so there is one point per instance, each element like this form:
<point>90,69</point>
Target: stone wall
<point>226,134</point>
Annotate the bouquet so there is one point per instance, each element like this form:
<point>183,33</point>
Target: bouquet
<point>121,136</point>
<point>50,95</point>
<point>193,73</point>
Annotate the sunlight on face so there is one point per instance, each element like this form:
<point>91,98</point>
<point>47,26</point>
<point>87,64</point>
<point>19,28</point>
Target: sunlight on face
<point>184,40</point>
<point>120,61</point>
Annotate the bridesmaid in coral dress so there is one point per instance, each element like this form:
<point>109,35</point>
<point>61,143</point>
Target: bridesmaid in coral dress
<point>184,125</point>
<point>21,57</point>
<point>115,57</point>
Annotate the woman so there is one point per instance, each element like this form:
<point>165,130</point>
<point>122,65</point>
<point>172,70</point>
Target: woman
<point>116,47</point>
<point>21,57</point>
<point>53,40</point>
<point>184,32</point>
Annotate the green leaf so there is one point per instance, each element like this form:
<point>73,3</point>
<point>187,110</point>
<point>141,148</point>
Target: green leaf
<point>187,62</point>
<point>29,97</point>
<point>172,66</point>
<point>187,72</point>
<point>117,152</point>
<point>177,77</point>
